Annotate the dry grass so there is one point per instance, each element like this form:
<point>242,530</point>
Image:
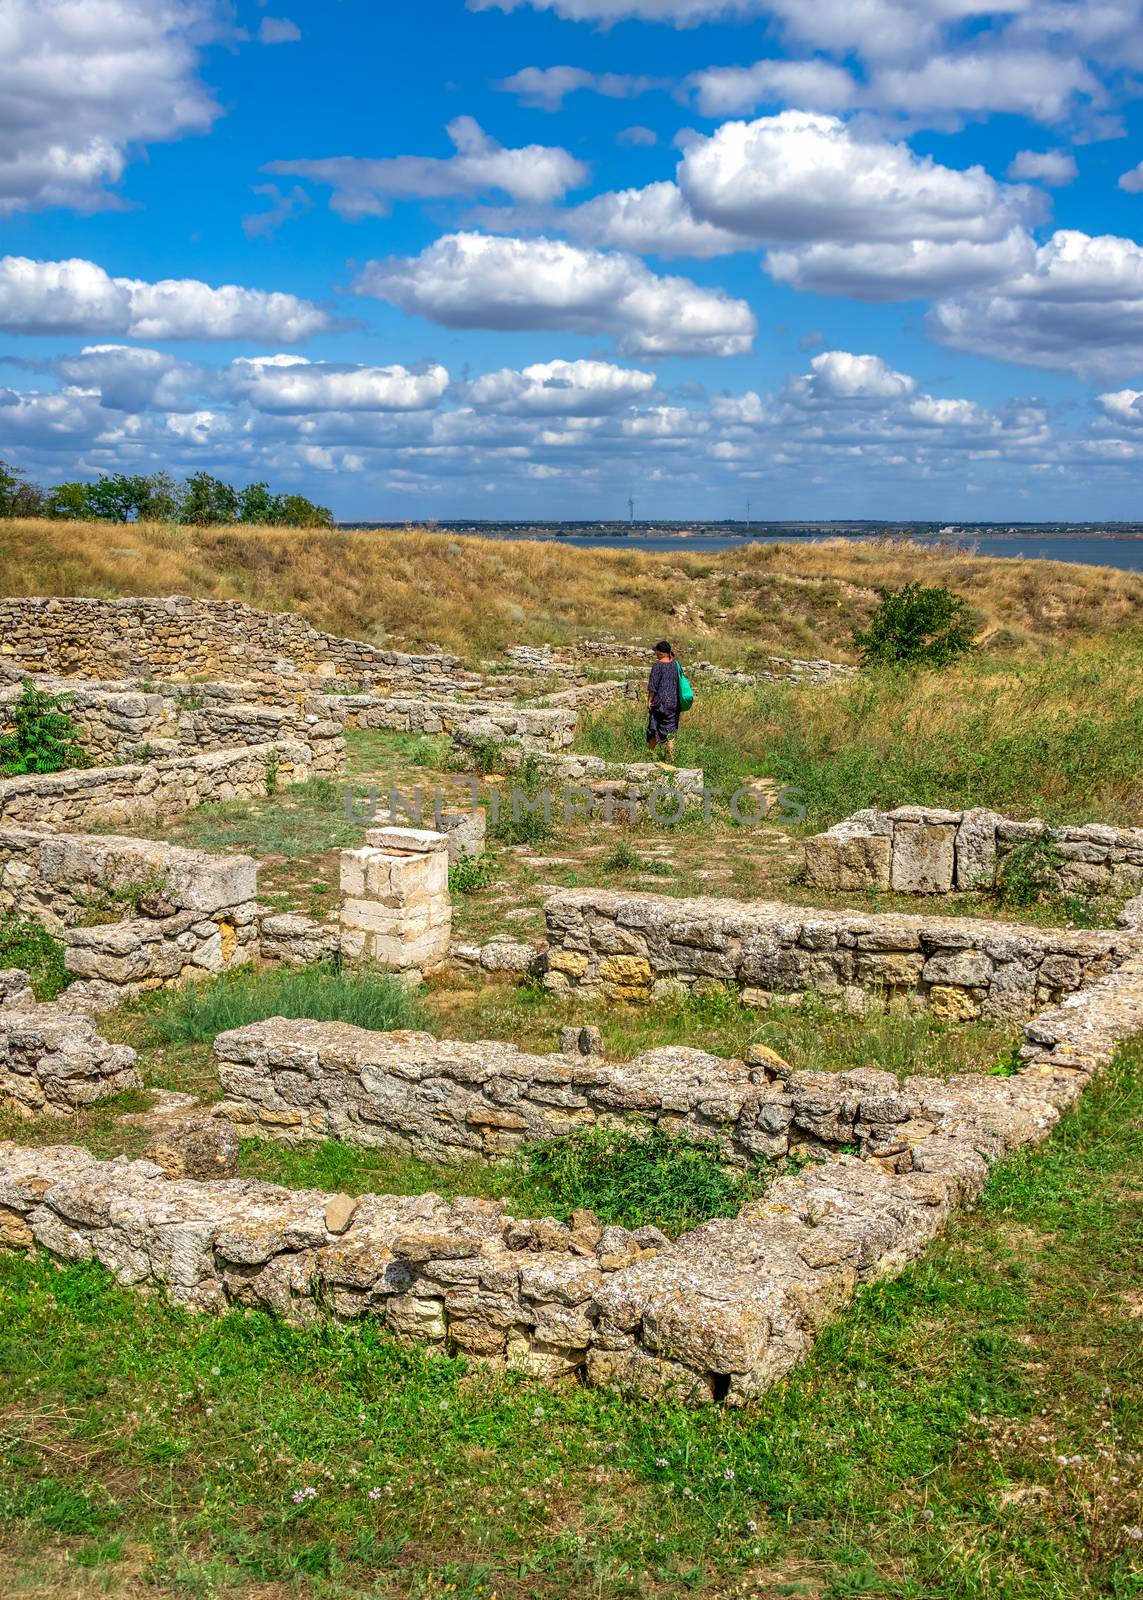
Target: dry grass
<point>476,596</point>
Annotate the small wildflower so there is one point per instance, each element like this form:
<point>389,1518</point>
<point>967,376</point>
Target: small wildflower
<point>299,1496</point>
<point>216,1372</point>
<point>729,1474</point>
<point>1133,1533</point>
<point>661,1461</point>
<point>375,1494</point>
<point>751,1525</point>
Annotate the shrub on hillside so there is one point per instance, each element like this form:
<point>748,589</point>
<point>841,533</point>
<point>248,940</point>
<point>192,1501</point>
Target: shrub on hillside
<point>918,625</point>
<point>40,736</point>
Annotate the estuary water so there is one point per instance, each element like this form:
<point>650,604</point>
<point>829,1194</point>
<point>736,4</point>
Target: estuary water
<point>1127,554</point>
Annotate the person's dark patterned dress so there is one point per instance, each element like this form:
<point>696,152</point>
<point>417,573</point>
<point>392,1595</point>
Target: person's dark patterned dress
<point>663,688</point>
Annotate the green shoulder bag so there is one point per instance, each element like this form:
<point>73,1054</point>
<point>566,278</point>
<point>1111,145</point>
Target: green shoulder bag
<point>686,693</point>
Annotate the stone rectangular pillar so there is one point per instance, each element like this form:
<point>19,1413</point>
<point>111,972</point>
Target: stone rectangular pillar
<point>395,907</point>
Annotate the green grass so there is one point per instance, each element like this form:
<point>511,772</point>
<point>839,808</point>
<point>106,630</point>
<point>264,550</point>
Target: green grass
<point>628,1177</point>
<point>364,997</point>
<point>637,1177</point>
<point>31,948</point>
<point>970,1431</point>
<point>304,820</point>
<point>1058,735</point>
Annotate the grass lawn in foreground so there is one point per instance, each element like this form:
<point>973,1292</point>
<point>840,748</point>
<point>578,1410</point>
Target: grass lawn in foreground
<point>972,1429</point>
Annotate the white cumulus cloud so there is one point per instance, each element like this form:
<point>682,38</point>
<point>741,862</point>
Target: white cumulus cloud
<point>535,174</point>
<point>81,81</point>
<point>290,385</point>
<point>471,280</point>
<point>1056,168</point>
<point>77,296</point>
<point>1078,307</point>
<point>1132,182</point>
<point>561,388</point>
<point>840,375</point>
<point>811,85</point>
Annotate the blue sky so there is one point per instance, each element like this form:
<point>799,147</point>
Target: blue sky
<point>839,258</point>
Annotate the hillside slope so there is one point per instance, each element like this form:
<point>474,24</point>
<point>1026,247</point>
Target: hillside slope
<point>478,596</point>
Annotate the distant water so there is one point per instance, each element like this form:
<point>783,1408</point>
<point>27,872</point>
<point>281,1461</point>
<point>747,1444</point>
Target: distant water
<point>1127,554</point>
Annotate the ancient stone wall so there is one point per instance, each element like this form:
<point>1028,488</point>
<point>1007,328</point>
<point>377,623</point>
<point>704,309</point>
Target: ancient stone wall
<point>117,722</point>
<point>586,785</point>
<point>924,850</point>
<point>52,1061</point>
<point>639,947</point>
<point>444,1100</point>
<point>179,637</point>
<point>132,913</point>
<point>720,1314</point>
<point>108,796</point>
<point>534,729</point>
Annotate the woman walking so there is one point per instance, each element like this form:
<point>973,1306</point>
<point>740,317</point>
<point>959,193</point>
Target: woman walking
<point>663,701</point>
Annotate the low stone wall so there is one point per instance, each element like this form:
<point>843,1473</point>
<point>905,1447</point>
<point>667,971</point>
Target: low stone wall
<point>443,1100</point>
<point>52,1062</point>
<point>639,947</point>
<point>118,722</point>
<point>572,660</point>
<point>96,796</point>
<point>181,913</point>
<point>533,729</point>
<point>179,637</point>
<point>720,1314</point>
<point>606,789</point>
<point>924,850</point>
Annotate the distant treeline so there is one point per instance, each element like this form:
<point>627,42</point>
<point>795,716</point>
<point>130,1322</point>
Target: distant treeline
<point>156,497</point>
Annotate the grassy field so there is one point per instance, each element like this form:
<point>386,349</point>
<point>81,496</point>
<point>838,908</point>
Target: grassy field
<point>479,596</point>
<point>970,1431</point>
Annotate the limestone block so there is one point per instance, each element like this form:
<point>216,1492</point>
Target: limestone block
<point>847,862</point>
<point>967,969</point>
<point>975,849</point>
<point>952,1004</point>
<point>923,857</point>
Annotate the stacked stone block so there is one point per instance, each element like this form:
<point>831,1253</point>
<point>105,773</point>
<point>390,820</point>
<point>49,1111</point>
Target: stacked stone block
<point>395,906</point>
<point>925,850</point>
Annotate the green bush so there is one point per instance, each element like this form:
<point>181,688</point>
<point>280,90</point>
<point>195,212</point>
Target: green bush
<point>31,948</point>
<point>367,998</point>
<point>40,736</point>
<point>917,626</point>
<point>635,1177</point>
<point>472,873</point>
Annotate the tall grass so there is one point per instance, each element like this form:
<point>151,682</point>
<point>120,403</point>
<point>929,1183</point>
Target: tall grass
<point>478,596</point>
<point>1060,736</point>
<point>366,998</point>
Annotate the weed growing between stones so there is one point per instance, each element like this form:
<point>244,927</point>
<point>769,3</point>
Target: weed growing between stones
<point>471,874</point>
<point>365,997</point>
<point>31,947</point>
<point>40,736</point>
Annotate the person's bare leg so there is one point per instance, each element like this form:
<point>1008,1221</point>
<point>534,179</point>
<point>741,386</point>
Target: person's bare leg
<point>671,751</point>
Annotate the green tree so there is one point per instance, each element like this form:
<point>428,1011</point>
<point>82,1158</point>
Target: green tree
<point>298,512</point>
<point>917,625</point>
<point>205,500</point>
<point>257,504</point>
<point>18,497</point>
<point>40,736</point>
<point>67,502</point>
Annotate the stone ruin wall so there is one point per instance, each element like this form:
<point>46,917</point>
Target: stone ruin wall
<point>719,1314</point>
<point>91,797</point>
<point>120,722</point>
<point>52,1060</point>
<point>640,947</point>
<point>132,914</point>
<point>182,638</point>
<point>925,850</point>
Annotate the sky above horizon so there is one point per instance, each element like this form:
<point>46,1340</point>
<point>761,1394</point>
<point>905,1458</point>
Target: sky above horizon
<point>530,258</point>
